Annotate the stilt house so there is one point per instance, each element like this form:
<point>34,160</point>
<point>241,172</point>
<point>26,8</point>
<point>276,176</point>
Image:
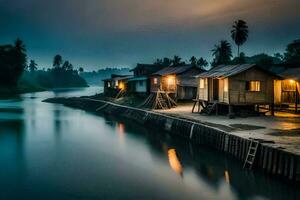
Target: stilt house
<point>236,86</point>
<point>116,84</point>
<point>178,82</point>
<point>140,83</point>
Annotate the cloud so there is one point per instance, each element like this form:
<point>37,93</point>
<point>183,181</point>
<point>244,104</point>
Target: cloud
<point>122,31</point>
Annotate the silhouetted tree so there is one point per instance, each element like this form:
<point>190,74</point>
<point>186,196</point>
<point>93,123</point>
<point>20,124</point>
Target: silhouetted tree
<point>177,61</point>
<point>166,62</point>
<point>279,56</point>
<point>222,53</point>
<point>57,61</point>
<point>193,61</point>
<point>292,55</point>
<point>202,63</point>
<point>158,62</point>
<point>67,66</point>
<point>239,60</point>
<point>239,33</point>
<point>32,66</point>
<point>81,70</point>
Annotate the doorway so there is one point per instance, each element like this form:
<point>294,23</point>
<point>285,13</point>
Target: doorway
<point>215,89</point>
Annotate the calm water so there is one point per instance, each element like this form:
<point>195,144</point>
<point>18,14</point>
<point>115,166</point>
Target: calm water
<point>49,151</point>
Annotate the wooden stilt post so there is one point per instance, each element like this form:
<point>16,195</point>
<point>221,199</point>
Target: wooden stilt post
<point>272,109</point>
<point>230,113</point>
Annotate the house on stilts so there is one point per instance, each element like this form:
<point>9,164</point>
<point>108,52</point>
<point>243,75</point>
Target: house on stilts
<point>171,84</point>
<point>235,89</point>
<point>139,84</point>
<point>116,86</point>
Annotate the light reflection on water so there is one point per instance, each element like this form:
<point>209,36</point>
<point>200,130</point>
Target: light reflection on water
<point>48,151</point>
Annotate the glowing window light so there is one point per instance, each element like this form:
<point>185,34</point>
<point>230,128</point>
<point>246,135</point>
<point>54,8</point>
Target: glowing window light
<point>226,85</point>
<point>292,81</point>
<point>108,84</point>
<point>171,81</point>
<point>121,86</point>
<point>155,81</point>
<point>254,86</point>
<point>202,83</point>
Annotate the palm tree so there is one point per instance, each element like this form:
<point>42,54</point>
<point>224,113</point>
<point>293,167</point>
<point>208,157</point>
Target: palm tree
<point>166,62</point>
<point>193,61</point>
<point>158,62</point>
<point>176,61</point>
<point>19,45</point>
<point>202,63</point>
<point>222,53</point>
<point>57,61</point>
<point>239,33</point>
<point>32,66</point>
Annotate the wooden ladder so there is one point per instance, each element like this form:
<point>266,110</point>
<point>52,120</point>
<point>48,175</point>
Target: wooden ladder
<point>251,154</point>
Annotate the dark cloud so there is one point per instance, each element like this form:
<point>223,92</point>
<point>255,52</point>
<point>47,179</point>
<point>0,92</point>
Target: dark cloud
<point>100,33</point>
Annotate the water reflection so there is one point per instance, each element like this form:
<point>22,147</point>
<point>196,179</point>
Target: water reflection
<point>101,157</point>
<point>174,162</point>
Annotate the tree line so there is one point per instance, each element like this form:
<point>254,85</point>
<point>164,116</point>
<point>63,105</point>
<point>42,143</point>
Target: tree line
<point>14,71</point>
<point>222,52</point>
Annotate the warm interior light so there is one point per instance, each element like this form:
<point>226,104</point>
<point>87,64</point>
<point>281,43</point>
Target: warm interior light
<point>174,161</point>
<point>202,83</point>
<point>121,86</point>
<point>292,81</point>
<point>171,81</point>
<point>226,85</point>
<point>155,81</point>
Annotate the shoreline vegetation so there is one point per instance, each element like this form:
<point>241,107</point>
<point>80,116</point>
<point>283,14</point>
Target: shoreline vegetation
<point>17,76</point>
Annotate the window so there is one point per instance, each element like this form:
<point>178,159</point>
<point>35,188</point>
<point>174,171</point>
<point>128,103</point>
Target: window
<point>108,84</point>
<point>155,81</point>
<point>225,85</point>
<point>141,83</point>
<point>202,83</point>
<point>117,83</point>
<point>253,86</point>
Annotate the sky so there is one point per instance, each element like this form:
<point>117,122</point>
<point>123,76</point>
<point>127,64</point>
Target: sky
<point>97,34</point>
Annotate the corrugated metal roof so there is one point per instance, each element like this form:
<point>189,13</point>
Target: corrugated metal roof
<point>143,78</point>
<point>225,71</point>
<point>172,70</point>
<point>118,78</point>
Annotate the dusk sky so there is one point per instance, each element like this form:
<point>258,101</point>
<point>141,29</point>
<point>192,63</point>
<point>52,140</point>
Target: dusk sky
<point>110,33</point>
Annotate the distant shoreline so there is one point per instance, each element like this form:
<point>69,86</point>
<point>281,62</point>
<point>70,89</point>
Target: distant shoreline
<point>8,91</point>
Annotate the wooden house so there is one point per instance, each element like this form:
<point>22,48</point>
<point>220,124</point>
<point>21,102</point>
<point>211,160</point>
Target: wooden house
<point>287,90</point>
<point>179,82</point>
<point>236,86</point>
<point>140,83</point>
<point>116,84</point>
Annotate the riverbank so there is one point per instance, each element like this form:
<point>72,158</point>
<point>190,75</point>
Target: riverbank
<point>272,157</point>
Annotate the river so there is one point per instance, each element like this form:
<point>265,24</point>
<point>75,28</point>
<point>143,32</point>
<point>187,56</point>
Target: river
<point>49,151</point>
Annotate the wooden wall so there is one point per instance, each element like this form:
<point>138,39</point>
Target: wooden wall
<point>155,87</point>
<point>240,96</point>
